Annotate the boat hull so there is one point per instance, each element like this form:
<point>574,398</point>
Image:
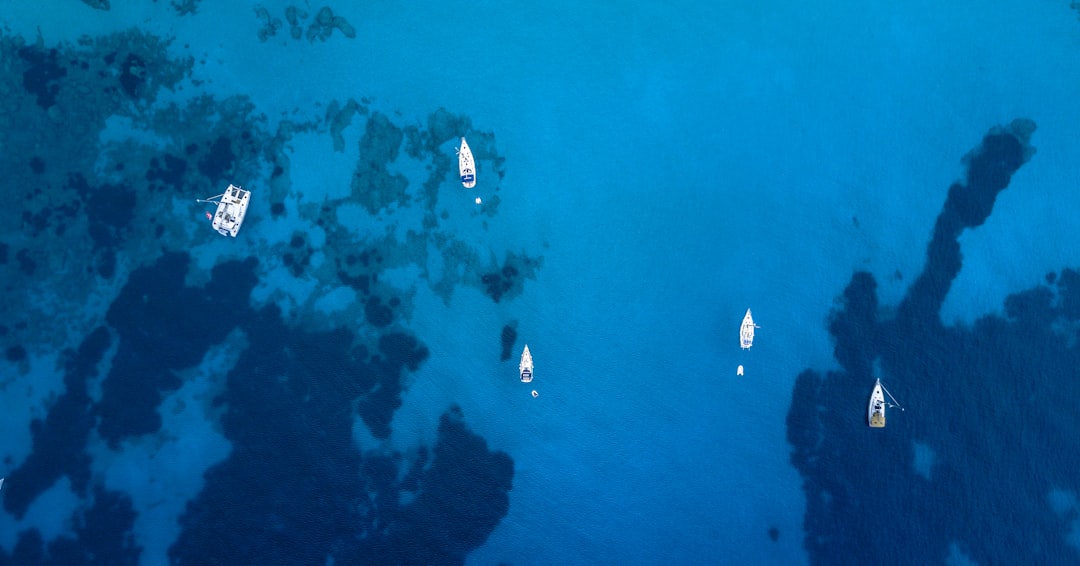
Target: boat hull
<point>875,412</point>
<point>466,165</point>
<point>231,210</point>
<point>746,331</point>
<point>525,368</point>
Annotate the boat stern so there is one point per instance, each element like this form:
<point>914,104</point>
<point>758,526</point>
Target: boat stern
<point>877,420</point>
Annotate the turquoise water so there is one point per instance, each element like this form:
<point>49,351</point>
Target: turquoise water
<point>330,383</point>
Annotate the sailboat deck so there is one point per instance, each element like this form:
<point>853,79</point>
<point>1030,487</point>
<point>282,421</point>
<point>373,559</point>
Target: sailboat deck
<point>877,420</point>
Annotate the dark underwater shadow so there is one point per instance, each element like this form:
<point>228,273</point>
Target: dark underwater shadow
<point>995,403</point>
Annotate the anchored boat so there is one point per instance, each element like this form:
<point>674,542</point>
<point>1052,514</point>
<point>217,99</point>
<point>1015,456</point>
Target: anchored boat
<point>876,410</point>
<point>525,368</point>
<point>466,165</point>
<point>746,332</point>
<point>232,205</point>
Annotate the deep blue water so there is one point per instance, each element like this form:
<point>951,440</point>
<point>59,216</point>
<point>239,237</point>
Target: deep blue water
<point>889,188</point>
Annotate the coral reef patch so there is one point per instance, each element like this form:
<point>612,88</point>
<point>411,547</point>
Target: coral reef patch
<point>106,171</point>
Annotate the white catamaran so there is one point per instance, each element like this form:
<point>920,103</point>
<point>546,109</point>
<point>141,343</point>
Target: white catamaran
<point>746,332</point>
<point>525,368</point>
<point>466,165</point>
<point>232,206</point>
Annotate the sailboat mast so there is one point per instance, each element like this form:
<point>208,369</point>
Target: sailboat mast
<point>891,397</point>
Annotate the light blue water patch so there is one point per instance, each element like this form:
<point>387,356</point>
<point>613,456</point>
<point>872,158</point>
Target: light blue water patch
<point>923,459</point>
<point>957,557</point>
<point>48,514</point>
<point>336,300</point>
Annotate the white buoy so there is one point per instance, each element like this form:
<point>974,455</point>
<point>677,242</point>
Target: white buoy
<point>478,201</point>
<point>739,371</point>
<point>535,394</point>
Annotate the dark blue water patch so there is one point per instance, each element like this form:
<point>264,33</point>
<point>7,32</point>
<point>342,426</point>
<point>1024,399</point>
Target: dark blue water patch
<point>105,263</point>
<point>59,441</point>
<point>103,535</point>
<point>398,352</point>
<point>1069,283</point>
<point>359,270</point>
<point>15,353</point>
<point>295,489</point>
<point>42,78</point>
<point>103,5</point>
<point>507,338</point>
<point>289,415</point>
<point>378,314</point>
<point>167,172</point>
<point>109,209</point>
<point>298,258</point>
<point>26,262</point>
<point>498,282</point>
<point>508,280</point>
<point>37,165</point>
<point>373,184</point>
<point>462,499</point>
<point>218,160</point>
<point>986,399</point>
<point>132,75</point>
<point>442,127</point>
<point>165,326</point>
<point>36,222</point>
<point>360,283</point>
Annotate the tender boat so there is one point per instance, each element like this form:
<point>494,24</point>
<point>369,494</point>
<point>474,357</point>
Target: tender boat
<point>232,206</point>
<point>746,333</point>
<point>739,370</point>
<point>466,165</point>
<point>876,410</point>
<point>526,365</point>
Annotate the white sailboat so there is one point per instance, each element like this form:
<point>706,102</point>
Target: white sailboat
<point>466,165</point>
<point>232,206</point>
<point>525,368</point>
<point>876,411</point>
<point>746,332</point>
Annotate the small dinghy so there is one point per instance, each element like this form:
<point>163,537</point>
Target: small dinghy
<point>466,165</point>
<point>232,206</point>
<point>525,368</point>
